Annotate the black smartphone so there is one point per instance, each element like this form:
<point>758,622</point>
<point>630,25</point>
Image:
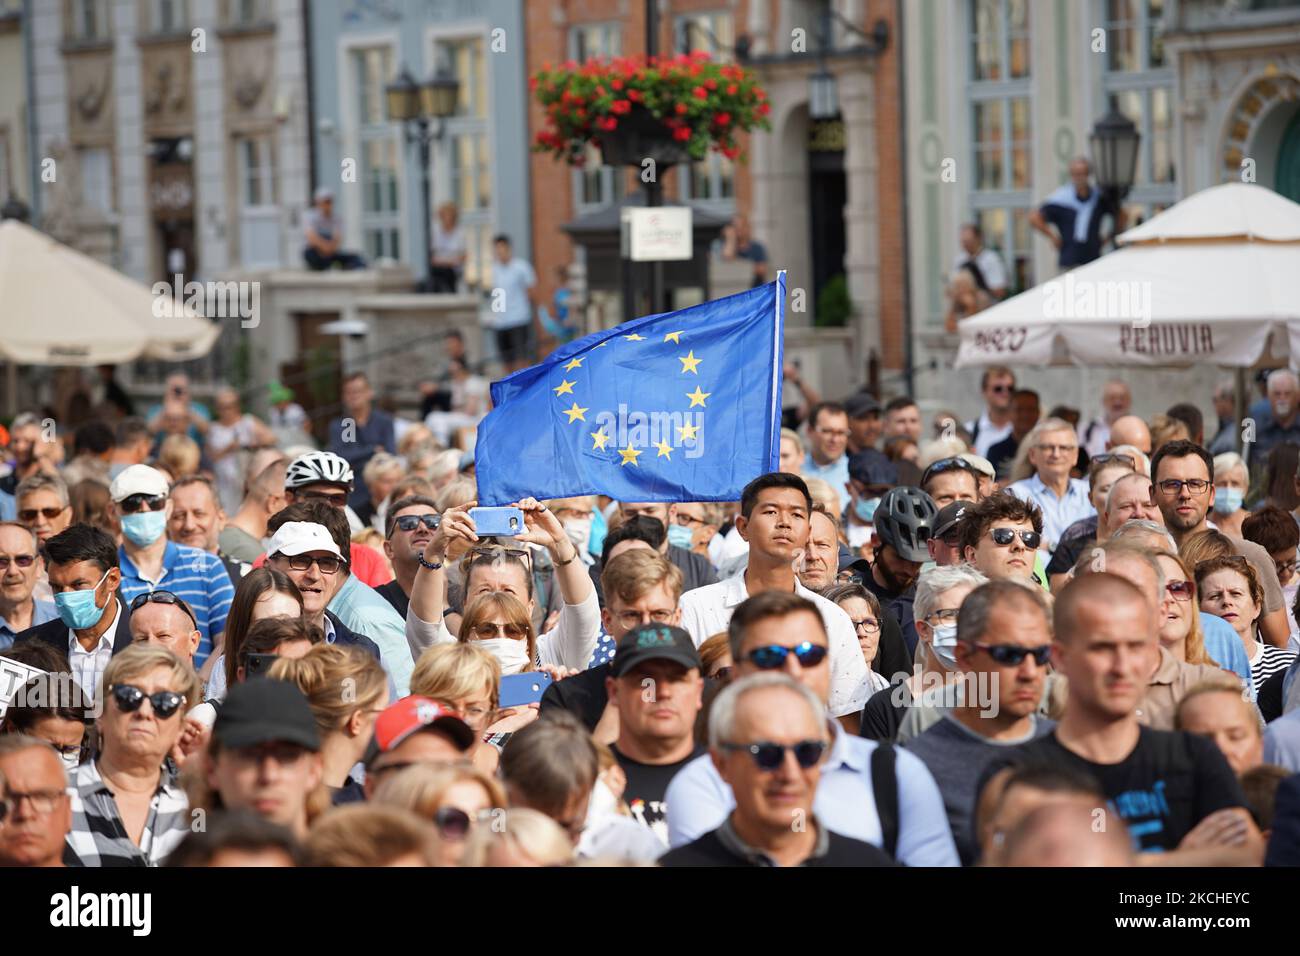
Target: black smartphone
<point>256,665</point>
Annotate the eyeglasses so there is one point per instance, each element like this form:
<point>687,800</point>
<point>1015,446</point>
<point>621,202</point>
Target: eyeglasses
<point>163,597</point>
<point>129,698</point>
<point>42,801</point>
<point>22,560</point>
<point>631,619</point>
<point>1175,486</point>
<point>301,562</point>
<point>773,656</point>
<point>411,522</point>
<point>869,624</point>
<point>496,552</point>
<point>1180,590</point>
<point>1013,655</point>
<point>133,503</point>
<point>1002,388</point>
<point>454,823</point>
<point>946,464</point>
<point>1284,568</point>
<point>49,514</point>
<point>833,432</point>
<point>947,615</point>
<point>337,499</point>
<point>1059,449</point>
<point>687,521</point>
<point>1112,456</point>
<point>769,756</point>
<point>486,631</point>
<point>1002,537</point>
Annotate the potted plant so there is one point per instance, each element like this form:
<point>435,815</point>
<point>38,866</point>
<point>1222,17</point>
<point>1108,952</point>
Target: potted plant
<point>670,109</point>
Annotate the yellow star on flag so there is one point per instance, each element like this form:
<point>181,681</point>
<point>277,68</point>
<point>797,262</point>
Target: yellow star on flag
<point>665,450</point>
<point>602,345</point>
<point>575,413</point>
<point>629,455</point>
<point>599,440</point>
<point>634,337</point>
<point>564,388</point>
<point>697,397</point>
<point>687,432</point>
<point>573,363</point>
<point>673,337</point>
<point>689,363</point>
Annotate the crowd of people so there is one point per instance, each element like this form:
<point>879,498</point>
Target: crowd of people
<point>962,648</point>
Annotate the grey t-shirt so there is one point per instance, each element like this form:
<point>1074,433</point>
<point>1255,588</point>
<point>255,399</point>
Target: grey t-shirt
<point>956,758</point>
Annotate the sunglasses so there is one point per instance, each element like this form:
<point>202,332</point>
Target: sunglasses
<point>454,823</point>
<point>411,522</point>
<point>163,597</point>
<point>336,499</point>
<point>301,562</point>
<point>1001,388</point>
<point>773,656</point>
<point>1112,456</point>
<point>134,503</point>
<point>485,631</point>
<point>49,514</point>
<point>946,464</point>
<point>1180,590</point>
<point>1013,655</point>
<point>129,698</point>
<point>22,560</point>
<point>1002,537</point>
<point>769,756</point>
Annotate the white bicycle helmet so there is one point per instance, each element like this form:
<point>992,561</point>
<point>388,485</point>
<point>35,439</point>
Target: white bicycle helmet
<point>316,467</point>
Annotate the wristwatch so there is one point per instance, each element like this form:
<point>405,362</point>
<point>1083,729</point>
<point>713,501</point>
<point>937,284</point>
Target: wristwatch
<point>426,564</point>
<point>560,564</point>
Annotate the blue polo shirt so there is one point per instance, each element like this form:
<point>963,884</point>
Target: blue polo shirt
<point>42,611</point>
<point>363,609</point>
<point>198,577</point>
<point>836,474</point>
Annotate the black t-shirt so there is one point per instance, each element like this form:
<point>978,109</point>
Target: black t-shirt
<point>1067,554</point>
<point>709,850</point>
<point>884,712</point>
<point>646,786</point>
<point>583,695</point>
<point>893,655</point>
<point>1169,783</point>
<point>394,595</point>
<point>350,792</point>
<point>1270,697</point>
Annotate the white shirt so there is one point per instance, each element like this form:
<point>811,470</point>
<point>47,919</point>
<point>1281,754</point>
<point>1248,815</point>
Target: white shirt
<point>707,611</point>
<point>88,666</point>
<point>989,264</point>
<point>510,284</point>
<point>988,434</point>
<point>1093,436</point>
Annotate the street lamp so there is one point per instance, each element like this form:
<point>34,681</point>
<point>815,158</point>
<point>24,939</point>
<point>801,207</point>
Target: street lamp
<point>421,108</point>
<point>823,97</point>
<point>1114,143</point>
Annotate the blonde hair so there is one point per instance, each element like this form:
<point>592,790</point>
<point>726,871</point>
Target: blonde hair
<point>1225,684</point>
<point>370,835</point>
<point>382,462</point>
<point>823,494</point>
<point>793,436</point>
<point>531,833</point>
<point>370,536</point>
<point>337,682</point>
<point>508,606</point>
<point>939,448</point>
<point>1195,652</point>
<point>421,787</point>
<point>635,573</point>
<point>139,659</point>
<point>1022,468</point>
<point>180,455</point>
<point>449,672</point>
<point>458,491</point>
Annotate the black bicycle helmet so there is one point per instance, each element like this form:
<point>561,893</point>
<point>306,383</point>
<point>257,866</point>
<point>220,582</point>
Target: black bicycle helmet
<point>904,520</point>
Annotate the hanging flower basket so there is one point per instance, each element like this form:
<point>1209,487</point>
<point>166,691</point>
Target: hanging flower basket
<point>669,109</point>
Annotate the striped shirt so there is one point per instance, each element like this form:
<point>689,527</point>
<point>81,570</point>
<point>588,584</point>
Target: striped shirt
<point>98,838</point>
<point>1267,661</point>
<point>198,577</point>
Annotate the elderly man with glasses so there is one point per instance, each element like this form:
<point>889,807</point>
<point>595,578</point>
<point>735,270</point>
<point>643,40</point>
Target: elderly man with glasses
<point>1053,452</point>
<point>35,812</point>
<point>20,568</point>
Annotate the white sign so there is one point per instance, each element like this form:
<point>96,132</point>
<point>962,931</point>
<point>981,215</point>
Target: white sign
<point>13,676</point>
<point>657,233</point>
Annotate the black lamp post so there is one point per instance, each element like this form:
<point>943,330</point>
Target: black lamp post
<point>421,108</point>
<point>1114,144</point>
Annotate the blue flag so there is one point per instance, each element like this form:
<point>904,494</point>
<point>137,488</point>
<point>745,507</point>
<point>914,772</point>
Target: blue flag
<point>683,406</point>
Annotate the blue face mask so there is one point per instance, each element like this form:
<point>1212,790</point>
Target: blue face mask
<point>144,528</point>
<point>679,536</point>
<point>943,643</point>
<point>78,609</point>
<point>866,508</point>
<point>1227,500</point>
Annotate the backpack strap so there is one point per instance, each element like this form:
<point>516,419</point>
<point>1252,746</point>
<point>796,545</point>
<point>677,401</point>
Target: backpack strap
<point>884,784</point>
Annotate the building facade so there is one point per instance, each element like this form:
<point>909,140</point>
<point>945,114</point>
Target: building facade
<point>1000,95</point>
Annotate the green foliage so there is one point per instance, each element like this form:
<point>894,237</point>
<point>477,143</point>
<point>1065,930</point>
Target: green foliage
<point>834,307</point>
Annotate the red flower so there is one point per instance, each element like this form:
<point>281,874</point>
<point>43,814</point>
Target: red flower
<point>621,106</point>
<point>764,109</point>
<point>600,91</point>
<point>700,56</point>
<point>681,109</point>
<point>682,134</point>
<point>607,123</point>
<point>532,84</point>
<point>731,152</point>
<point>731,89</point>
<point>722,119</point>
<point>616,84</point>
<point>711,83</point>
<point>700,93</point>
<point>634,96</point>
<point>694,70</point>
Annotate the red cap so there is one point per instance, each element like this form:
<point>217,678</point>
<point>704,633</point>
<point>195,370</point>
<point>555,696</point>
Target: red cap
<point>413,713</point>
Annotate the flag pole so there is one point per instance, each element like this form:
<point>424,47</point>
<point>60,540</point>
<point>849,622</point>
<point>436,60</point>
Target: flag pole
<point>778,344</point>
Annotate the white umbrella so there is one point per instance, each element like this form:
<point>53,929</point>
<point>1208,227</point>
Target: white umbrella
<point>1202,283</point>
<point>62,307</point>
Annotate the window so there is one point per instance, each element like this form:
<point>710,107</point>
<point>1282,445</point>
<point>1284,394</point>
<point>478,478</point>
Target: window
<point>169,16</point>
<point>379,160</point>
<point>465,59</point>
<point>256,171</point>
<point>595,185</point>
<point>245,13</point>
<point>998,89</point>
<point>463,164</point>
<point>595,39</point>
<point>714,33</point>
<point>89,20</point>
<point>96,178</point>
<point>712,179</point>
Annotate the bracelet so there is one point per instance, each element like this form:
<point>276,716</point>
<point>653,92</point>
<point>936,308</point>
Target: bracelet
<point>426,564</point>
<point>560,564</point>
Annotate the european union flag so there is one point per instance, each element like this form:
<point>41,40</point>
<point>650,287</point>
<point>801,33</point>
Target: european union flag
<point>683,406</point>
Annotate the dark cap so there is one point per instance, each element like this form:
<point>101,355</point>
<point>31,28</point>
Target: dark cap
<point>945,522</point>
<point>261,711</point>
<point>861,404</point>
<point>654,642</point>
<point>872,467</point>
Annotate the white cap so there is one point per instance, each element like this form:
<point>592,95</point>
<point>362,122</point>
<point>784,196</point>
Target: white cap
<point>980,464</point>
<point>138,480</point>
<point>322,192</point>
<point>299,537</point>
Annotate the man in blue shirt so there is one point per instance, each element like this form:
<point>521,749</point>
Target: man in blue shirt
<point>20,566</point>
<point>360,432</point>
<point>514,285</point>
<point>1283,423</point>
<point>1076,210</point>
<point>1053,450</point>
<point>828,438</point>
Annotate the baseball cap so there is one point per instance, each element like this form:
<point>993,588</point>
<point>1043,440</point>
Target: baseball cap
<point>299,537</point>
<point>945,522</point>
<point>322,192</point>
<point>410,714</point>
<point>980,464</point>
<point>861,404</point>
<point>277,392</point>
<point>872,467</point>
<point>138,480</point>
<point>259,711</point>
<point>648,642</point>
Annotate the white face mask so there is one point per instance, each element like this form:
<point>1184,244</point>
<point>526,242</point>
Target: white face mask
<point>579,532</point>
<point>511,654</point>
<point>1282,408</point>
